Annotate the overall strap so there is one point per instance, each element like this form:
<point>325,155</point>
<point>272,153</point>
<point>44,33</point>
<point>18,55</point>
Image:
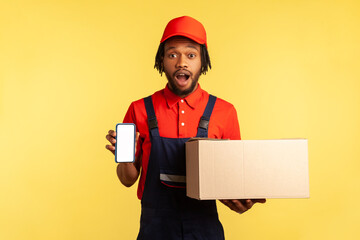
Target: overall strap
<point>152,121</point>
<point>204,120</point>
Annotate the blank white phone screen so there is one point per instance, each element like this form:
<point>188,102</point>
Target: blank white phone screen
<point>125,143</point>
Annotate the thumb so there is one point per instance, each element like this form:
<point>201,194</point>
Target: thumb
<point>136,142</point>
<point>137,137</point>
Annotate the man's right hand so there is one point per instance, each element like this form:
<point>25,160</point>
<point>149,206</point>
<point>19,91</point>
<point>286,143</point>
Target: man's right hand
<point>127,172</point>
<point>111,137</point>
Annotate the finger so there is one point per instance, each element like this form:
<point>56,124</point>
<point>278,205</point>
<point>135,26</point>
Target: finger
<point>110,148</point>
<point>229,204</point>
<point>233,207</point>
<point>249,203</point>
<point>112,133</point>
<point>259,200</point>
<point>111,139</point>
<point>225,202</point>
<point>240,207</point>
<point>137,137</point>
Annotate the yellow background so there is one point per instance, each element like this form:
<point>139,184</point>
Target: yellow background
<point>69,70</point>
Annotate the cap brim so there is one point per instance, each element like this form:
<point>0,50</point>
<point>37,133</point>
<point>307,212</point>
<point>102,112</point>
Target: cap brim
<point>195,39</point>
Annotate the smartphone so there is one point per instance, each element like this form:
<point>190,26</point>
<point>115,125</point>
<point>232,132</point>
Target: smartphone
<point>125,142</point>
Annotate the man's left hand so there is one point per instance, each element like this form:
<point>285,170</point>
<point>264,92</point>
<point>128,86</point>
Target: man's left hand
<point>241,205</point>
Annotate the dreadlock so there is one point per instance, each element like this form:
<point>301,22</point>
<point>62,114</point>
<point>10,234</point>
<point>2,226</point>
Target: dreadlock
<point>205,58</point>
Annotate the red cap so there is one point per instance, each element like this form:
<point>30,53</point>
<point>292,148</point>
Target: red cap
<point>187,27</point>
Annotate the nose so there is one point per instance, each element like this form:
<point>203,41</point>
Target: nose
<point>181,62</point>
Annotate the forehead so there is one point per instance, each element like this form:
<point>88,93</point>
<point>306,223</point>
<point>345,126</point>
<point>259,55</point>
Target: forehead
<point>180,42</point>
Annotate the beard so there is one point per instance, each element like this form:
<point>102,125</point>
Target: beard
<point>176,90</point>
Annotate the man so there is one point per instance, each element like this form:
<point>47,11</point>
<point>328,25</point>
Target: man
<point>165,121</point>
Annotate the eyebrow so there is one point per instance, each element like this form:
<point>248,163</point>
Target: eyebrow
<point>189,46</point>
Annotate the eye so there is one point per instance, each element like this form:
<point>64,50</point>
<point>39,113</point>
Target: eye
<point>192,55</point>
<point>172,55</point>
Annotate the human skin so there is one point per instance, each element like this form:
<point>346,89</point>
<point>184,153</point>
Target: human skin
<point>182,65</point>
<point>127,173</point>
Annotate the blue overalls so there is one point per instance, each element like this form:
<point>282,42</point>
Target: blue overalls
<point>167,213</point>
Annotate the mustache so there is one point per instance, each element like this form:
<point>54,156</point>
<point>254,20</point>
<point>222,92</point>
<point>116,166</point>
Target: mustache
<point>182,71</point>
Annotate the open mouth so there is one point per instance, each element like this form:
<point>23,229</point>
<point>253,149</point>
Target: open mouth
<point>182,76</point>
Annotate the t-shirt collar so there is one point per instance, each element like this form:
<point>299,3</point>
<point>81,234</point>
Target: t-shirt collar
<point>192,100</point>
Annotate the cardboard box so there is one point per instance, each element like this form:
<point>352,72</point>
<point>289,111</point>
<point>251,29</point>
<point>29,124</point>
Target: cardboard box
<point>247,169</point>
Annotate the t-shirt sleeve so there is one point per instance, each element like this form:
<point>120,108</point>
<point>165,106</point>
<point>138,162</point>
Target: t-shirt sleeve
<point>130,115</point>
<point>232,128</point>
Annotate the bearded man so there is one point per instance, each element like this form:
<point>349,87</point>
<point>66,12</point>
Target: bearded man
<point>165,121</point>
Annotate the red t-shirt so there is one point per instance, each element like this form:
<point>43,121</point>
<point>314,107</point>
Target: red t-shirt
<point>179,118</point>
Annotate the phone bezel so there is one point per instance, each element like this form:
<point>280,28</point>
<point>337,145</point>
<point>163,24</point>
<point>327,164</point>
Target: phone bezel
<point>116,160</point>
